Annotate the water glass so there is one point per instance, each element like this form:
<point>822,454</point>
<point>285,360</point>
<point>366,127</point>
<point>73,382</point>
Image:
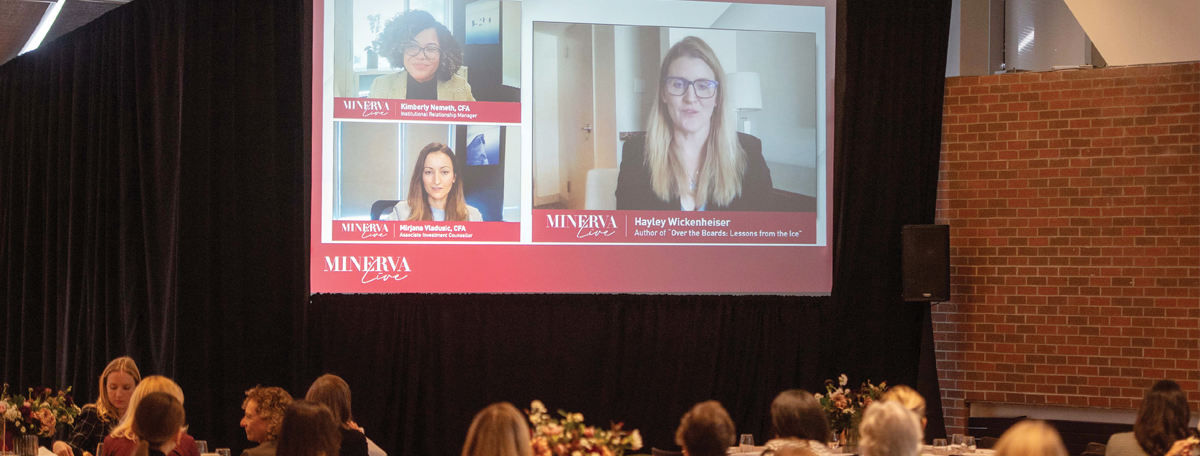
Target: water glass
<point>970,442</point>
<point>939,447</point>
<point>202,446</point>
<point>957,444</point>
<point>835,444</point>
<point>747,441</point>
<point>222,451</point>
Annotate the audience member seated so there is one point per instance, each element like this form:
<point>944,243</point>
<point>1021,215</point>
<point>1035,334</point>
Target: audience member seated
<point>909,398</point>
<point>705,430</point>
<point>1161,428</point>
<point>158,425</point>
<point>798,420</point>
<point>265,407</point>
<point>333,392</point>
<point>1030,438</point>
<point>124,439</point>
<point>309,429</point>
<point>498,430</point>
<point>890,429</point>
<point>97,420</point>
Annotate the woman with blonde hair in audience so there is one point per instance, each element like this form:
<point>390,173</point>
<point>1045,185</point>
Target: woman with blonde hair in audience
<point>309,429</point>
<point>498,430</point>
<point>124,439</point>
<point>890,429</point>
<point>97,420</point>
<point>333,392</point>
<point>909,398</point>
<point>1161,427</point>
<point>158,425</point>
<point>705,430</point>
<point>265,407</point>
<point>1030,438</point>
<point>798,420</point>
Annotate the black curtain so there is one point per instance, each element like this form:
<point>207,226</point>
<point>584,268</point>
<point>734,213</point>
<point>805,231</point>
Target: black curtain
<point>153,202</point>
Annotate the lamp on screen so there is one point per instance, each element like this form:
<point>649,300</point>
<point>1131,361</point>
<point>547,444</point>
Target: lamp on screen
<point>745,94</point>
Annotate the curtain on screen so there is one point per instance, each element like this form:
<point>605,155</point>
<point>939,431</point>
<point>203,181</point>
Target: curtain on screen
<point>153,202</point>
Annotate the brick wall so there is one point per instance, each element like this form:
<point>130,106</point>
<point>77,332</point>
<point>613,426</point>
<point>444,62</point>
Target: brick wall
<point>1074,205</point>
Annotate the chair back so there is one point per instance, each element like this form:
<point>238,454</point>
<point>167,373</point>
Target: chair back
<point>381,205</point>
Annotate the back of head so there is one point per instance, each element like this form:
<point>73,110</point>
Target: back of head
<point>158,419</point>
<point>309,429</point>
<point>706,430</point>
<point>1162,419</point>
<point>907,397</point>
<point>272,403</point>
<point>150,385</point>
<point>890,429</point>
<point>498,430</point>
<point>1030,438</point>
<point>333,392</point>
<point>797,414</point>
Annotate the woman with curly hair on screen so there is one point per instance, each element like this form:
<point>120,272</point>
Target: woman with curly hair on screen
<point>431,58</point>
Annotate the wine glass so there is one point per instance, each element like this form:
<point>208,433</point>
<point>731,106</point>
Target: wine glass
<point>202,446</point>
<point>747,442</point>
<point>222,451</point>
<point>835,444</point>
<point>957,444</point>
<point>970,442</point>
<point>939,447</point>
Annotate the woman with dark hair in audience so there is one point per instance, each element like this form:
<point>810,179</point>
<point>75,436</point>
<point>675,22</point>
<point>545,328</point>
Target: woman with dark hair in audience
<point>798,421</point>
<point>158,424</point>
<point>333,392</point>
<point>705,430</point>
<point>265,407</point>
<point>98,419</point>
<point>431,58</point>
<point>498,430</point>
<point>309,429</point>
<point>1161,427</point>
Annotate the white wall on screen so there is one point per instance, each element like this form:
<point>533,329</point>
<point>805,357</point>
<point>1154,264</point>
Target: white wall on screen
<point>636,72</point>
<point>545,118</point>
<point>367,164</point>
<point>575,112</point>
<point>510,42</point>
<point>512,174</point>
<point>604,91</point>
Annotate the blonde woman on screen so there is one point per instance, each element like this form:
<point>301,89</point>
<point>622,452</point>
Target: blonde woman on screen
<point>691,158</point>
<point>435,190</point>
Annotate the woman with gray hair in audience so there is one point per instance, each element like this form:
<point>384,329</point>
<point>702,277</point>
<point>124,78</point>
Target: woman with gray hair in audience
<point>890,429</point>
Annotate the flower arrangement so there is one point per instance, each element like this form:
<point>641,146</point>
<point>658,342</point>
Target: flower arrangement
<point>568,436</point>
<point>42,412</point>
<point>843,406</point>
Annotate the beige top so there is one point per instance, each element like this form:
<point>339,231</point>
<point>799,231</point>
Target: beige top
<point>401,212</point>
<point>1123,444</point>
<point>395,86</point>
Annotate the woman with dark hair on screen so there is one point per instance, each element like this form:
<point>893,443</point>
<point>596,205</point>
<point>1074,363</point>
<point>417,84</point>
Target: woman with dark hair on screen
<point>1161,427</point>
<point>309,429</point>
<point>691,158</point>
<point>798,421</point>
<point>435,190</point>
<point>431,58</point>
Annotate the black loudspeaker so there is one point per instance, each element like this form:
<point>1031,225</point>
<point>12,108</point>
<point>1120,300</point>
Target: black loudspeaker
<point>925,267</point>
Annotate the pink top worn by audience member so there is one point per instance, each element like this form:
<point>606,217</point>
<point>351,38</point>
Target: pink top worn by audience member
<point>120,446</point>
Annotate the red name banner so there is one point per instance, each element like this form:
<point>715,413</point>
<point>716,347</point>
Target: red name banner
<point>457,112</point>
<point>426,232</point>
<point>675,227</point>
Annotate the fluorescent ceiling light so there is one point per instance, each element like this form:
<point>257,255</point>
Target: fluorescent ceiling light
<point>43,27</point>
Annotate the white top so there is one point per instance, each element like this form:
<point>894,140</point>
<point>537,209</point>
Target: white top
<point>401,211</point>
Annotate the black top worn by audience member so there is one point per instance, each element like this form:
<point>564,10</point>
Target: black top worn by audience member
<point>88,430</point>
<point>421,90</point>
<point>635,191</point>
<point>354,443</point>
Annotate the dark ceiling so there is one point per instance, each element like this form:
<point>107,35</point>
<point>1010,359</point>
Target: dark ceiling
<point>19,18</point>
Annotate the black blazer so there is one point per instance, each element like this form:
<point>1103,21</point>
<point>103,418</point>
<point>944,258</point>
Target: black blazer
<point>634,191</point>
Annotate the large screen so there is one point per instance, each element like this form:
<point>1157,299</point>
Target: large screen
<point>591,146</point>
